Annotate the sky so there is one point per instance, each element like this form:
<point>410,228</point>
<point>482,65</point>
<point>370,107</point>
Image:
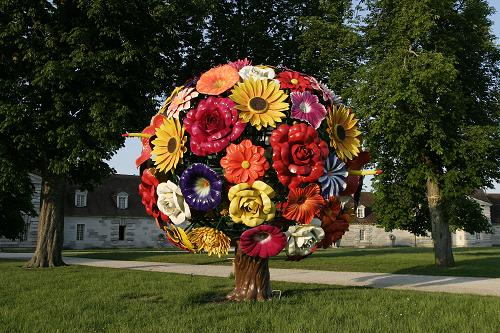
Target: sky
<point>124,160</point>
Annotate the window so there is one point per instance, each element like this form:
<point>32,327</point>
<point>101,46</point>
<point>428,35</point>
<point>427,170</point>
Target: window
<point>361,234</point>
<point>80,230</point>
<point>360,212</point>
<point>122,200</point>
<point>478,236</point>
<point>81,198</point>
<point>121,232</point>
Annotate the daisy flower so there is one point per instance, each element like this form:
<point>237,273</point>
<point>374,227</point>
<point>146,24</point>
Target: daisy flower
<point>169,145</point>
<point>244,163</point>
<point>181,101</point>
<point>293,81</point>
<point>263,241</point>
<point>260,102</point>
<point>343,132</point>
<point>217,80</point>
<point>305,106</point>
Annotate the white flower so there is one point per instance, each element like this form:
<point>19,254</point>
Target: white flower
<point>302,238</point>
<point>171,202</point>
<point>257,73</point>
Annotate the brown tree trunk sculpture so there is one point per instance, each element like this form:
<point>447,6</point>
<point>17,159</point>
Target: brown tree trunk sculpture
<point>252,279</point>
<point>49,242</point>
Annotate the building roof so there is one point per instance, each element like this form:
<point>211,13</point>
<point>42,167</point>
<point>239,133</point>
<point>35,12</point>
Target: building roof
<point>102,200</point>
<point>480,195</point>
<point>495,207</point>
<point>366,199</point>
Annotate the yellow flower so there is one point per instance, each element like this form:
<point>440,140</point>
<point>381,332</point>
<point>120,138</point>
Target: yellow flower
<point>343,132</point>
<point>260,102</point>
<point>177,236</point>
<point>169,145</point>
<point>210,240</point>
<point>251,204</point>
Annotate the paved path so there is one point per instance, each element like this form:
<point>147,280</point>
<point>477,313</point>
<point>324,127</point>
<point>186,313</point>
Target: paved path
<point>448,284</point>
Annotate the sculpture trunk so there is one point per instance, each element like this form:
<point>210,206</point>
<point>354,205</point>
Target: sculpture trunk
<point>49,243</point>
<point>252,278</point>
<point>441,235</point>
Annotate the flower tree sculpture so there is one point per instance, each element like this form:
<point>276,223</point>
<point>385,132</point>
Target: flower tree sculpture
<point>264,157</point>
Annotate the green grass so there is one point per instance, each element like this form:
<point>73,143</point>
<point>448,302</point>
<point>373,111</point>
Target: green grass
<point>87,299</point>
<point>480,262</point>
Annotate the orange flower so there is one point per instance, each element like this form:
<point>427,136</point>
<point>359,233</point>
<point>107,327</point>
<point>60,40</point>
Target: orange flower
<point>333,221</point>
<point>244,163</point>
<point>303,203</point>
<point>217,80</point>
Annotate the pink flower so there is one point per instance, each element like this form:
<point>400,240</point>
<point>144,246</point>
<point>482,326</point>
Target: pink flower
<point>213,125</point>
<point>305,106</point>
<point>263,241</point>
<point>240,63</point>
<point>181,101</point>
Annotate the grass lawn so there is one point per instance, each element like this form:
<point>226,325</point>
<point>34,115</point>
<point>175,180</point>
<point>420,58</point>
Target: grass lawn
<point>481,262</point>
<point>88,299</point>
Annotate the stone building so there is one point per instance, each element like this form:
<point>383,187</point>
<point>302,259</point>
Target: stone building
<point>363,231</point>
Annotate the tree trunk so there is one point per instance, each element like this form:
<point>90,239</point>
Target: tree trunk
<point>252,279</point>
<point>441,235</point>
<point>49,242</point>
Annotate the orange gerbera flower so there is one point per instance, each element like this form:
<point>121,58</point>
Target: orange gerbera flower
<point>217,80</point>
<point>303,203</point>
<point>244,163</point>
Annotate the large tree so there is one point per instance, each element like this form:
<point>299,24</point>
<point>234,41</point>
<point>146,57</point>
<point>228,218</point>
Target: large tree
<point>76,74</point>
<point>429,94</point>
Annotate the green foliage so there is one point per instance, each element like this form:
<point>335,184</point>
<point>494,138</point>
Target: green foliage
<point>429,95</point>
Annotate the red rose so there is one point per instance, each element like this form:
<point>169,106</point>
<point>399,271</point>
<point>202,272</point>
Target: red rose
<point>213,125</point>
<point>147,191</point>
<point>298,154</point>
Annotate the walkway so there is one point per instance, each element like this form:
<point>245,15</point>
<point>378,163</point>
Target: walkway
<point>448,284</point>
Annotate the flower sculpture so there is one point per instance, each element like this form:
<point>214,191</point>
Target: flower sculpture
<point>232,145</point>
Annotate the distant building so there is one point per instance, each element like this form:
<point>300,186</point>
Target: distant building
<point>363,231</point>
<point>112,215</point>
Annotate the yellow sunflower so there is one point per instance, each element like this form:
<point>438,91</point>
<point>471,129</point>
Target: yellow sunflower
<point>260,102</point>
<point>169,145</point>
<point>343,132</point>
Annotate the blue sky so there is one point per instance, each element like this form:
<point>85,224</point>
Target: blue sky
<point>124,160</point>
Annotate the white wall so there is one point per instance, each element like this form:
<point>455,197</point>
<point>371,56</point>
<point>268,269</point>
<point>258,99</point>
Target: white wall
<point>104,232</point>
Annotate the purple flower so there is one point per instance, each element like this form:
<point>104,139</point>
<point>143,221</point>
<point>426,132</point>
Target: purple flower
<point>305,106</point>
<point>333,181</point>
<point>201,187</point>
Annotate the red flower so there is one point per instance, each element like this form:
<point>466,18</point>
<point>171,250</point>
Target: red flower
<point>244,163</point>
<point>147,191</point>
<point>293,81</point>
<point>263,241</point>
<point>333,222</point>
<point>212,125</point>
<point>355,164</point>
<point>149,132</point>
<point>298,154</point>
<point>303,204</point>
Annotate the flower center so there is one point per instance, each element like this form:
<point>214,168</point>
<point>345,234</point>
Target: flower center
<point>261,236</point>
<point>294,81</point>
<point>258,104</point>
<point>339,132</point>
<point>202,186</point>
<point>301,200</point>
<point>245,164</point>
<point>218,83</point>
<point>304,107</point>
<point>172,145</point>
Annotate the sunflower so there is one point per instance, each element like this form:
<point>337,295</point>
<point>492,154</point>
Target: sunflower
<point>343,132</point>
<point>169,145</point>
<point>217,80</point>
<point>210,240</point>
<point>260,102</point>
